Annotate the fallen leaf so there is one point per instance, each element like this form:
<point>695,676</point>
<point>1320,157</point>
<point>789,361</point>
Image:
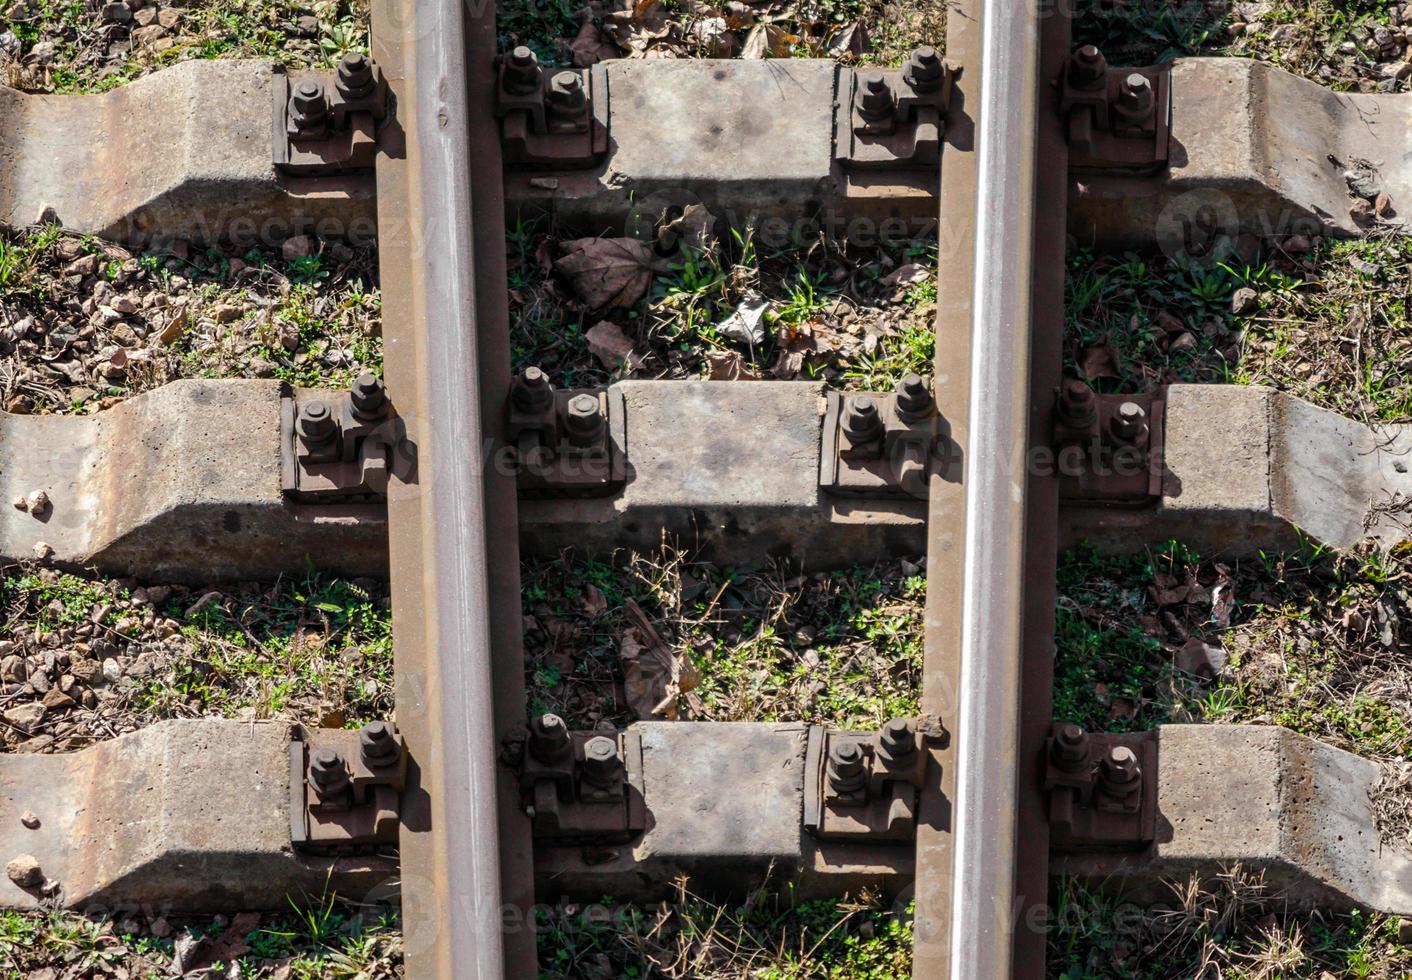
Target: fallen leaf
<point>907,274</point>
<point>746,323</point>
<point>589,47</point>
<point>768,41</point>
<point>607,272</point>
<point>613,348</point>
<point>729,365</point>
<point>694,228</point>
<point>654,676</point>
<point>1099,361</point>
<point>851,42</point>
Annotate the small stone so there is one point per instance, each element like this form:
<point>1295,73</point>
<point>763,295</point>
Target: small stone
<point>169,18</point>
<point>226,313</point>
<point>160,928</point>
<point>307,26</point>
<point>148,36</point>
<point>1235,29</point>
<point>1296,244</point>
<point>117,12</point>
<point>57,700</point>
<point>1243,300</point>
<point>112,673</point>
<point>25,871</point>
<point>1348,47</point>
<point>42,53</point>
<point>1362,183</point>
<point>1361,211</point>
<point>25,717</point>
<point>14,669</point>
<point>297,247</point>
<point>1382,204</point>
<point>38,502</point>
<point>21,503</point>
<point>30,820</point>
<point>144,16</point>
<point>86,671</point>
<point>1404,931</point>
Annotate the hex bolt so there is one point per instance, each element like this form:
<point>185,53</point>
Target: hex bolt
<point>1129,423</point>
<point>898,737</point>
<point>355,76</point>
<point>846,771</point>
<point>532,393</point>
<point>1069,749</point>
<point>522,72</point>
<point>1135,94</point>
<point>1087,67</point>
<point>1078,405</point>
<point>862,422</point>
<point>316,424</point>
<point>566,94</point>
<point>601,764</point>
<point>308,107</point>
<point>378,744</point>
<point>584,420</point>
<point>549,740</point>
<point>874,99</point>
<point>369,395</point>
<point>924,70</point>
<point>1120,772</point>
<point>913,398</point>
<point>328,771</point>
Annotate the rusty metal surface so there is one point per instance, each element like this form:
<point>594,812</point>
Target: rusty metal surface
<point>183,153</point>
<point>465,842</point>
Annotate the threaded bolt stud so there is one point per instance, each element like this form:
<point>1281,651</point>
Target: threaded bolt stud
<point>583,419</point>
<point>913,398</point>
<point>1120,771</point>
<point>328,771</point>
<point>308,106</point>
<point>1069,749</point>
<point>316,423</point>
<point>566,94</point>
<point>874,99</point>
<point>1078,406</point>
<point>549,740</point>
<point>924,70</point>
<point>378,744</point>
<point>1135,94</point>
<point>898,737</point>
<point>532,392</point>
<point>355,76</point>
<point>369,395</point>
<point>1130,422</point>
<point>1087,67</point>
<point>601,764</point>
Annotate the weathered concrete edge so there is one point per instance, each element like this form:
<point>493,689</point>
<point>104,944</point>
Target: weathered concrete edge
<point>184,153</point>
<point>1276,803</point>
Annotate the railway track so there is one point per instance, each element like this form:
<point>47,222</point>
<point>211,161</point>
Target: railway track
<point>462,807</point>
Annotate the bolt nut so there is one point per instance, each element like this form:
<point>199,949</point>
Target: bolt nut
<point>1129,423</point>
<point>566,93</point>
<point>862,422</point>
<point>898,737</point>
<point>308,106</point>
<point>369,395</point>
<point>316,423</point>
<point>847,771</point>
<point>584,420</point>
<point>1135,94</point>
<point>328,772</point>
<point>1120,772</point>
<point>355,76</point>
<point>549,740</point>
<point>874,98</point>
<point>913,399</point>
<point>601,765</point>
<point>532,393</point>
<point>1078,405</point>
<point>925,71</point>
<point>522,72</point>
<point>1087,67</point>
<point>378,744</point>
<point>1069,750</point>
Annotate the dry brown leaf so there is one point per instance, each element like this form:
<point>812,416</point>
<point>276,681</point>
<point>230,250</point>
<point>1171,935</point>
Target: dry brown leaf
<point>768,41</point>
<point>613,348</point>
<point>607,272</point>
<point>1099,361</point>
<point>729,365</point>
<point>654,676</point>
<point>590,47</point>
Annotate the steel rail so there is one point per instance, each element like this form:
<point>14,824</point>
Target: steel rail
<point>467,862</point>
<point>982,846</point>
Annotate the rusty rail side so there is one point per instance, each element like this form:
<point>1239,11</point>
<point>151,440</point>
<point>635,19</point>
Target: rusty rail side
<point>982,844</point>
<point>467,872</point>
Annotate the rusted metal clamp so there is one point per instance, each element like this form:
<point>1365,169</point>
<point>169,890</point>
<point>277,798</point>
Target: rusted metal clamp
<point>327,123</point>
<point>1108,448</point>
<point>893,118</point>
<point>566,443</point>
<point>862,785</point>
<point>340,447</point>
<point>1118,118</point>
<point>878,444</point>
<point>580,786</point>
<point>345,788</point>
<point>558,118</point>
<point>1102,789</point>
